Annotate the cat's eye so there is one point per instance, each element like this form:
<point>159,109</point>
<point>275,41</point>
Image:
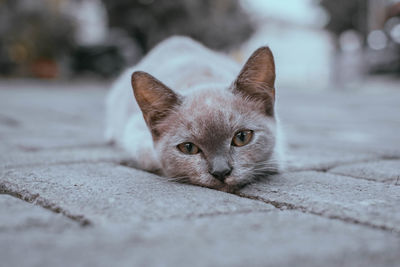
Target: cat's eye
<point>242,138</point>
<point>189,148</point>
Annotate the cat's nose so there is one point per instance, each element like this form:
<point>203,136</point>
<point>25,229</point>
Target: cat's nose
<point>220,169</point>
<point>221,174</point>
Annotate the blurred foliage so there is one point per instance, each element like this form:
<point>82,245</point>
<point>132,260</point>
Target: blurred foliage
<point>103,60</point>
<point>34,35</point>
<point>345,15</point>
<point>217,23</point>
<point>38,37</point>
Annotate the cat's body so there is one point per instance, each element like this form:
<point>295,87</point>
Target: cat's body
<point>204,109</point>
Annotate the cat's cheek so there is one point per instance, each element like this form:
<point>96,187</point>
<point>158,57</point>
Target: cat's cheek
<point>199,173</point>
<point>177,165</point>
<point>207,181</point>
<point>244,160</point>
<point>170,164</point>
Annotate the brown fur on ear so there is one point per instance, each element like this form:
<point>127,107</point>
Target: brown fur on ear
<point>154,98</point>
<point>256,80</point>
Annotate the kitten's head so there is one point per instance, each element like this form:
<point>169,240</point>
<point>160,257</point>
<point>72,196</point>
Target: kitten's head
<point>216,138</point>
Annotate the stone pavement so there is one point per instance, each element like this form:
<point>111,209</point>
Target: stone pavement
<point>66,198</point>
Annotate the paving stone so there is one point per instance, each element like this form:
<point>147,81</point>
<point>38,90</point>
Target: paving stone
<point>387,171</point>
<point>46,118</point>
<point>339,109</point>
<point>17,215</point>
<point>345,121</point>
<point>24,157</point>
<point>66,97</point>
<point>50,103</point>
<point>52,135</point>
<point>320,158</point>
<point>106,192</point>
<point>273,238</point>
<point>52,132</point>
<point>360,141</point>
<point>52,140</point>
<point>335,196</point>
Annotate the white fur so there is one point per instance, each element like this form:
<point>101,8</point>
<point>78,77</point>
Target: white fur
<point>180,63</point>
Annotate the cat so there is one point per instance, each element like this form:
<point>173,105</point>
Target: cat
<point>206,121</point>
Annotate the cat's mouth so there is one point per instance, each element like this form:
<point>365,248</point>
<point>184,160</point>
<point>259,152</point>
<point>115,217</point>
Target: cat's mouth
<point>229,188</point>
<point>230,184</point>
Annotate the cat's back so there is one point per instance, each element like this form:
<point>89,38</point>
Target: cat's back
<point>179,62</point>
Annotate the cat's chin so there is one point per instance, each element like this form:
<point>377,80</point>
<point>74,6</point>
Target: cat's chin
<point>229,186</point>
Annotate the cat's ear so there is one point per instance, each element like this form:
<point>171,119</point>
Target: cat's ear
<point>256,80</point>
<point>154,98</point>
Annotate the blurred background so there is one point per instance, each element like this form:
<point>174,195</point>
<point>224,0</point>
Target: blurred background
<point>317,43</point>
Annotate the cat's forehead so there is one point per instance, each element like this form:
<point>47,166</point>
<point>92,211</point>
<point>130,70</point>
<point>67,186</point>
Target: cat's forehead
<point>209,98</point>
<point>215,114</point>
<point>208,106</point>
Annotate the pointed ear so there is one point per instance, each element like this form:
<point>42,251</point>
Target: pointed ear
<point>257,79</point>
<point>154,98</point>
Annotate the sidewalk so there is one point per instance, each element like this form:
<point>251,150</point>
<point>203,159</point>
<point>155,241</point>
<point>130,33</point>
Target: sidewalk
<point>66,199</point>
